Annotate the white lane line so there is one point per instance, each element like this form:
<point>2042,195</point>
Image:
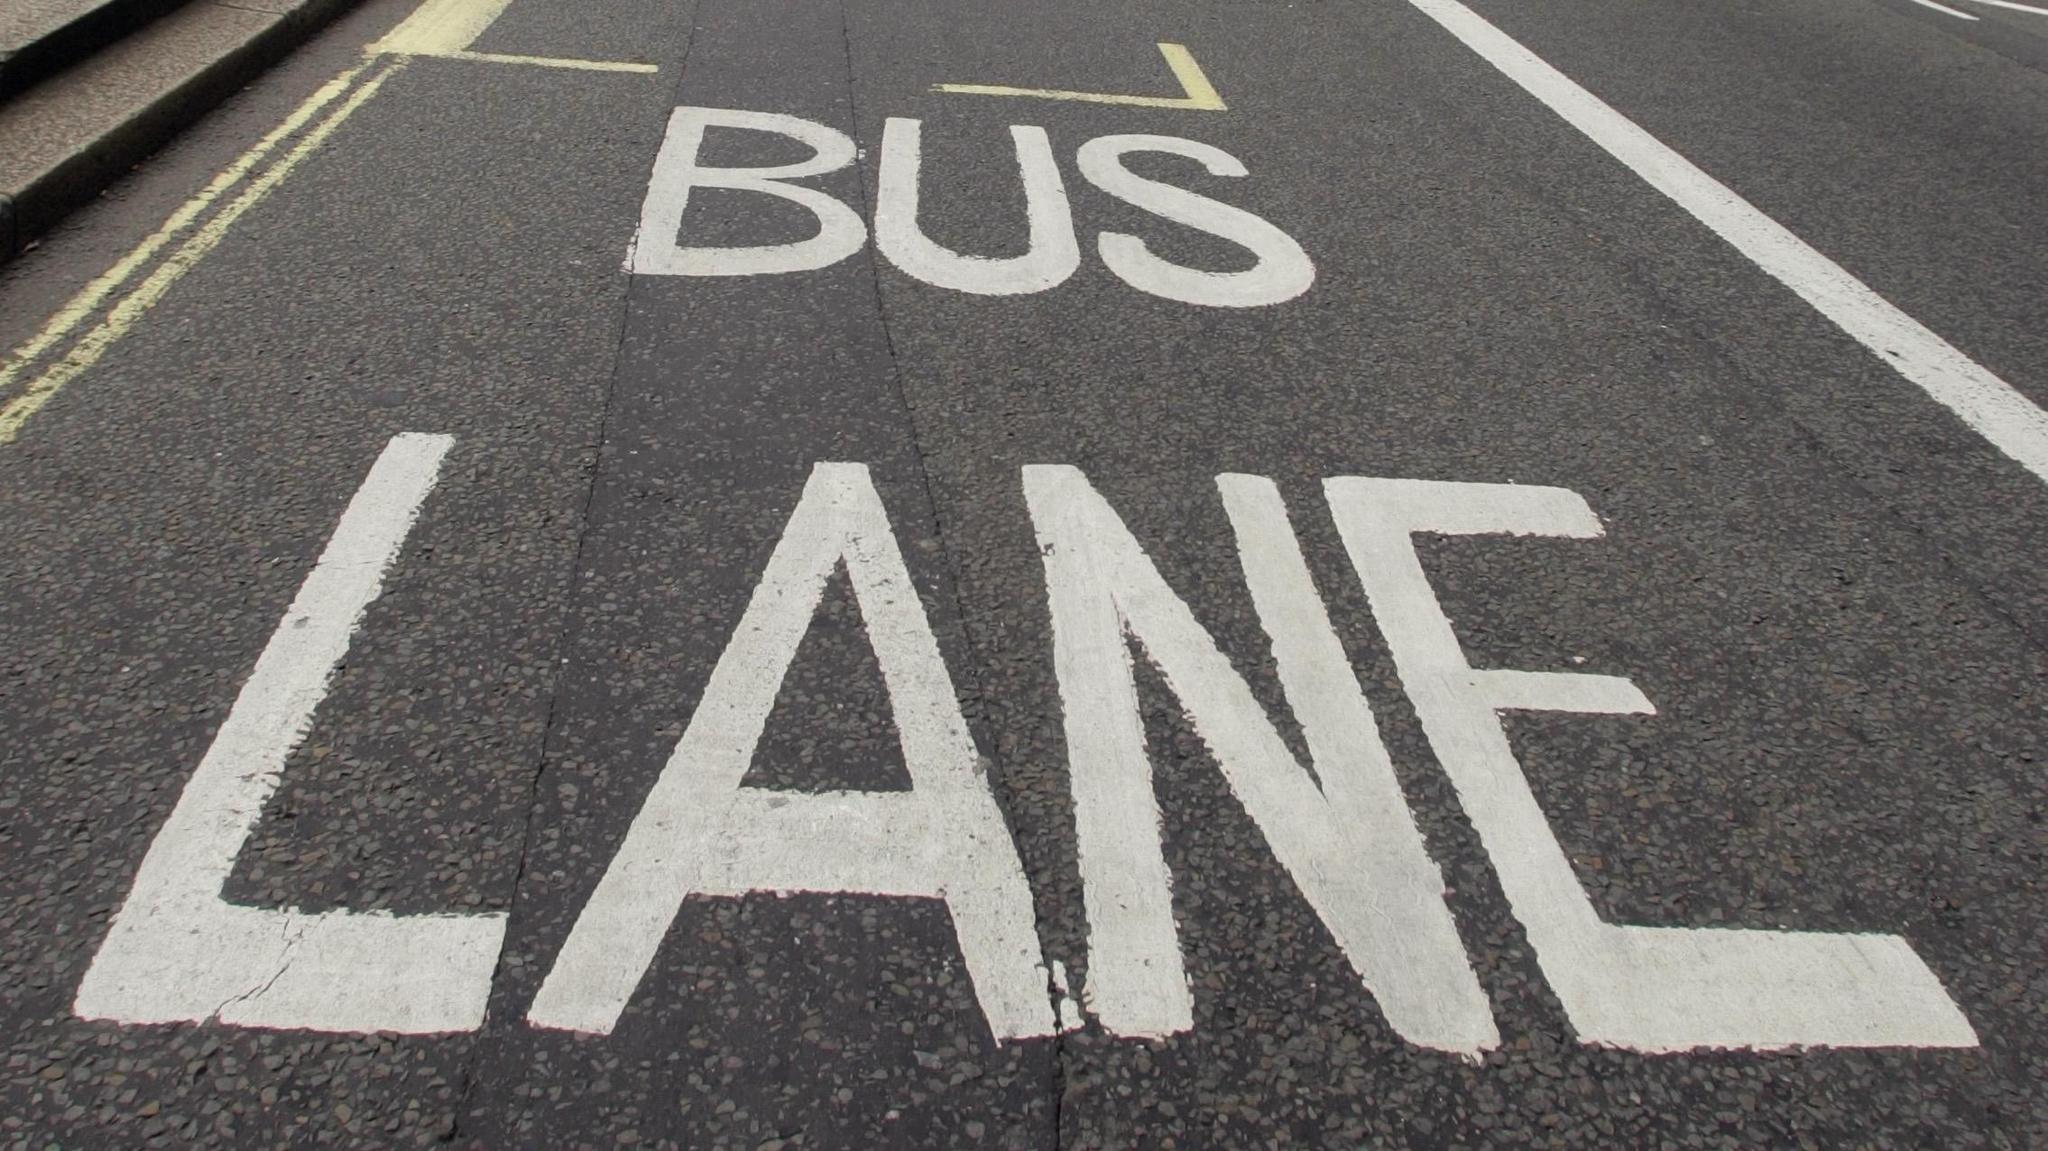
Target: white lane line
<point>2014,6</point>
<point>1989,405</point>
<point>1944,8</point>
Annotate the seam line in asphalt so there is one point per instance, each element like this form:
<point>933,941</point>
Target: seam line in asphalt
<point>566,634</point>
<point>1056,1086</point>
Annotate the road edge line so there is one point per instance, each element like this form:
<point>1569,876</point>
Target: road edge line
<point>1991,407</point>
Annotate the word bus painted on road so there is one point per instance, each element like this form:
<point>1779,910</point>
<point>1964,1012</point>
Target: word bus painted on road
<point>1281,270</point>
<point>177,951</point>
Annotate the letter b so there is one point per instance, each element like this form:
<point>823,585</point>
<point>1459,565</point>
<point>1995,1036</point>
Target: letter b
<point>656,250</point>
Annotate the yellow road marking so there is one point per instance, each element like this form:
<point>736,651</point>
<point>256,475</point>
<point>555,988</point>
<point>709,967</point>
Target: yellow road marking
<point>95,293</point>
<point>440,27</point>
<point>437,28</point>
<point>446,28</point>
<point>1197,94</point>
<point>95,343</point>
<point>550,62</point>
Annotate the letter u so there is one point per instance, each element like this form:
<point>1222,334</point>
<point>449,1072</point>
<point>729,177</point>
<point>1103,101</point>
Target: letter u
<point>1054,252</point>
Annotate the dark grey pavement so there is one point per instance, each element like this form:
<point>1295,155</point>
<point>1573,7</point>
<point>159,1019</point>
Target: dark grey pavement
<point>1829,586</point>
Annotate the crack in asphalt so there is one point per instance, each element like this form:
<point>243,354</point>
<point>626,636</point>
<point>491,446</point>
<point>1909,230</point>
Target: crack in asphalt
<point>291,935</point>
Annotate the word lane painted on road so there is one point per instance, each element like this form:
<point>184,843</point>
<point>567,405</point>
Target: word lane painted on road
<point>1281,269</point>
<point>177,951</point>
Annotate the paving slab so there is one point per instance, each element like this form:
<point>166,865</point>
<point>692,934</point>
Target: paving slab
<point>38,37</point>
<point>68,136</point>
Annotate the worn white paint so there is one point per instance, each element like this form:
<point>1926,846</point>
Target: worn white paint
<point>1987,404</point>
<point>1645,988</point>
<point>178,952</point>
<point>700,832</point>
<point>656,249</point>
<point>1350,844</point>
<point>1053,252</point>
<point>1283,270</point>
<point>2014,6</point>
<point>1943,8</point>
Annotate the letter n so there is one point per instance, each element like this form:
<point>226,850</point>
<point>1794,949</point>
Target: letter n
<point>1345,834</point>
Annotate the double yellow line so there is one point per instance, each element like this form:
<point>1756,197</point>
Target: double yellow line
<point>52,358</point>
<point>202,221</point>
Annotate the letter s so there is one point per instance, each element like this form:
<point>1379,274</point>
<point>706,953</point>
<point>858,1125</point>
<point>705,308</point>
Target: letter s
<point>1283,270</point>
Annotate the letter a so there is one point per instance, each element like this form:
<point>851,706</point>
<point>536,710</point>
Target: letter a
<point>702,833</point>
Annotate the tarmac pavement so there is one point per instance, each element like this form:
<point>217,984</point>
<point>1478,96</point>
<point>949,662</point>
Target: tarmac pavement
<point>924,678</point>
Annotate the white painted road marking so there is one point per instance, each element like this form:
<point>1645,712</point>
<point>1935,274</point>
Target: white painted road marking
<point>1350,844</point>
<point>1282,271</point>
<point>1989,405</point>
<point>1945,9</point>
<point>2013,6</point>
<point>178,952</point>
<point>1644,988</point>
<point>701,832</point>
<point>1051,256</point>
<point>656,249</point>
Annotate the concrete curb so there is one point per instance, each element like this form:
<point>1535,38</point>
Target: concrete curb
<point>45,198</point>
<point>58,48</point>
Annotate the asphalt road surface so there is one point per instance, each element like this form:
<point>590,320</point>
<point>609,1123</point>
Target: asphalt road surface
<point>1334,574</point>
